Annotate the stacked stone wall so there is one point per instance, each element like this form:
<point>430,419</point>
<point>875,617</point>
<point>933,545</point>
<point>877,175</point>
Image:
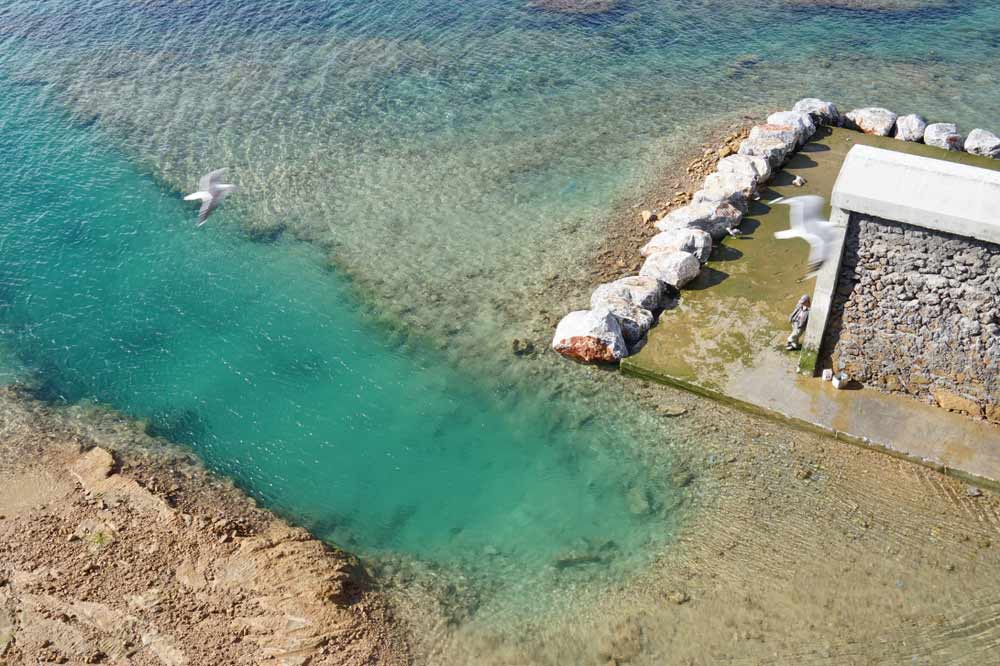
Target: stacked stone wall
<point>918,312</point>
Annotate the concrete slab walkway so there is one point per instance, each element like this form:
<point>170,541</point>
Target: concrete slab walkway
<point>725,340</point>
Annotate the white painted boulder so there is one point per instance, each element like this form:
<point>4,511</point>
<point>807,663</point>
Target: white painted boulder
<point>672,268</point>
<point>771,149</point>
<point>717,219</point>
<point>801,121</point>
<point>644,292</point>
<point>871,120</point>
<point>746,166</point>
<point>910,127</point>
<point>822,113</point>
<point>634,321</point>
<point>983,142</point>
<point>688,239</point>
<point>943,135</point>
<point>590,337</point>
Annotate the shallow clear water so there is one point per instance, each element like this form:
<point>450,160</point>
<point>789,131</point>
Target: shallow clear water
<point>256,356</point>
<point>448,160</point>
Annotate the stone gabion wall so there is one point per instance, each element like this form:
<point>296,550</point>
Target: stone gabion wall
<point>918,312</point>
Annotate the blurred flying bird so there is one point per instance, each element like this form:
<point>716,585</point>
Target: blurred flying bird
<point>806,217</point>
<point>211,192</point>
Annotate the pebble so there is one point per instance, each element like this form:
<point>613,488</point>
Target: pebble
<point>672,410</point>
<point>973,491</point>
<point>678,597</point>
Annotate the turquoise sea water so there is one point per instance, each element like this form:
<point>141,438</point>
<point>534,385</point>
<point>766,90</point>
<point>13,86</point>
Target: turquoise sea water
<point>257,356</point>
<point>415,175</point>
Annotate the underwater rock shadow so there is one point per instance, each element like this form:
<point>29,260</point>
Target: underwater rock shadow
<point>726,253</point>
<point>708,278</point>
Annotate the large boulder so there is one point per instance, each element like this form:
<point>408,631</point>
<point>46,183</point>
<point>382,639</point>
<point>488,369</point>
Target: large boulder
<point>801,121</point>
<point>871,120</point>
<point>715,218</point>
<point>982,142</point>
<point>672,268</point>
<point>727,187</point>
<point>745,166</point>
<point>910,127</point>
<point>645,292</point>
<point>688,239</point>
<point>822,113</point>
<point>590,337</point>
<point>787,133</point>
<point>771,149</point>
<point>943,135</point>
<point>634,321</point>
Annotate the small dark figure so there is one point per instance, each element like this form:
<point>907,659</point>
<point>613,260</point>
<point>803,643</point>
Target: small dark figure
<point>799,318</point>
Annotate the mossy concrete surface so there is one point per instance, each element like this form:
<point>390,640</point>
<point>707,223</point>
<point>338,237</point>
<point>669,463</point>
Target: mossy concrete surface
<point>726,338</point>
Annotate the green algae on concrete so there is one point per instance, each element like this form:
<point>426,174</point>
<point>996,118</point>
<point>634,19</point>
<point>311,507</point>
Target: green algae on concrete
<point>725,340</point>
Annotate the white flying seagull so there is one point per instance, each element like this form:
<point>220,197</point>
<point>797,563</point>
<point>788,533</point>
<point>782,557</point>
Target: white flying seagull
<point>211,192</point>
<point>806,217</point>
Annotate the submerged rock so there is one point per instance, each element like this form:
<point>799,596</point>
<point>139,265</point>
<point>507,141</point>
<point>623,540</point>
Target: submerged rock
<point>746,166</point>
<point>645,292</point>
<point>717,219</point>
<point>800,120</point>
<point>634,321</point>
<point>910,127</point>
<point>638,500</point>
<point>672,268</point>
<point>871,120</point>
<point>769,148</point>
<point>590,336</point>
<point>943,135</point>
<point>522,347</point>
<point>824,113</point>
<point>687,239</point>
<point>982,142</point>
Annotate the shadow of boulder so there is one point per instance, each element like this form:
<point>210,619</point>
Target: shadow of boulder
<point>708,278</point>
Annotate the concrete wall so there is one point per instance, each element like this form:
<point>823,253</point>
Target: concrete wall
<point>917,311</point>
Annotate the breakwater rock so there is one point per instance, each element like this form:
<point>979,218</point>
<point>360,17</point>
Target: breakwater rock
<point>871,120</point>
<point>984,143</point>
<point>590,336</point>
<point>943,135</point>
<point>910,127</point>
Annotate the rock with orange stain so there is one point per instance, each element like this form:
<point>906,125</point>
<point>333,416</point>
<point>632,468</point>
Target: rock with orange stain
<point>590,336</point>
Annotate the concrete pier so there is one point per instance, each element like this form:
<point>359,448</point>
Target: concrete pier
<point>725,339</point>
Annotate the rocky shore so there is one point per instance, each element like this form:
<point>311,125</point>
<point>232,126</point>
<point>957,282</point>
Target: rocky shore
<point>115,548</point>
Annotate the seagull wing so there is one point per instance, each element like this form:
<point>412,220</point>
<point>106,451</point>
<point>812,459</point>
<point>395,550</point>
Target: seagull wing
<point>806,218</point>
<point>206,209</point>
<point>210,179</point>
<point>805,211</point>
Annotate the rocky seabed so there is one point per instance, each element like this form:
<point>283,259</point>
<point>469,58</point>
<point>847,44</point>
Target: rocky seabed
<point>622,312</point>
